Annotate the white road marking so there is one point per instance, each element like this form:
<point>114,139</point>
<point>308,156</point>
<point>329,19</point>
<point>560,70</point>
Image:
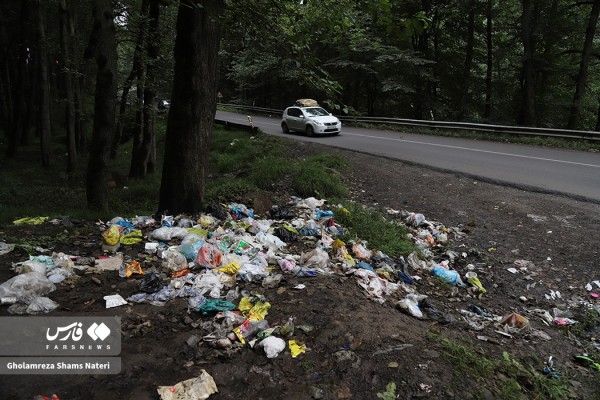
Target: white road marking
<point>476,150</point>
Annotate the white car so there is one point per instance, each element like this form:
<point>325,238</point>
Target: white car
<point>311,120</point>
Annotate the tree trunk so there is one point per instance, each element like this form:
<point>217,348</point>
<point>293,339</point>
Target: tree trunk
<point>103,46</point>
<point>490,61</point>
<point>20,70</point>
<point>68,67</point>
<point>466,76</point>
<point>583,67</point>
<point>193,106</point>
<point>43,86</point>
<point>143,156</point>
<point>136,73</point>
<point>527,112</point>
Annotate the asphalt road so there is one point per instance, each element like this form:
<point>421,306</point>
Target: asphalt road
<point>567,172</point>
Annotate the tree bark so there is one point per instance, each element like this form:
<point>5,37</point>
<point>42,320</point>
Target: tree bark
<point>43,86</point>
<point>193,106</point>
<point>583,67</point>
<point>464,95</point>
<point>104,47</point>
<point>527,113</point>
<point>490,60</point>
<point>143,156</point>
<point>68,67</point>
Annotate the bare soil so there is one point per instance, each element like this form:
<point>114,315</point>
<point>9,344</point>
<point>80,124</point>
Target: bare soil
<point>357,345</point>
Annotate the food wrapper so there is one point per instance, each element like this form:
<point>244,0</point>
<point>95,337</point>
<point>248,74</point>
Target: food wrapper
<point>129,269</point>
<point>199,388</point>
<point>231,268</point>
<point>296,348</point>
<point>254,310</point>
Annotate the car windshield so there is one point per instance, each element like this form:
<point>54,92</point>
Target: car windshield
<point>315,112</point>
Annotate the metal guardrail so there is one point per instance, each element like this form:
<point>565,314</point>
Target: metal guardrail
<point>466,126</point>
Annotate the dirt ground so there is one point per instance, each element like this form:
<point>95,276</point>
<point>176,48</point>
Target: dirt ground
<point>357,346</point>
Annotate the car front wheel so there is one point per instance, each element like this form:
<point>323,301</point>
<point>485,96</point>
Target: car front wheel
<point>285,128</point>
<point>310,130</point>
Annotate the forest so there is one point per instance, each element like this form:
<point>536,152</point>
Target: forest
<point>90,75</point>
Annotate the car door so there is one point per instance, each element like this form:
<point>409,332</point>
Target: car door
<point>296,122</point>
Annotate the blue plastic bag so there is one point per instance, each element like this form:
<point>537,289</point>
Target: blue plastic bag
<point>449,275</point>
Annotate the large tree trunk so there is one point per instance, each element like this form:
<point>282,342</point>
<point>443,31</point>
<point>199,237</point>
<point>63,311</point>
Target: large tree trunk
<point>104,47</point>
<point>193,106</point>
<point>583,67</point>
<point>43,86</point>
<point>20,70</point>
<point>143,155</point>
<point>464,95</point>
<point>527,112</point>
<point>487,113</point>
<point>68,66</point>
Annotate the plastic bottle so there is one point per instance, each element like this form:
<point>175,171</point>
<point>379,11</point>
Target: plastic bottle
<point>250,328</point>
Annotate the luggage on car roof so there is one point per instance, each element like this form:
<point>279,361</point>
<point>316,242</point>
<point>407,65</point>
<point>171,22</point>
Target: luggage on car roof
<point>306,103</point>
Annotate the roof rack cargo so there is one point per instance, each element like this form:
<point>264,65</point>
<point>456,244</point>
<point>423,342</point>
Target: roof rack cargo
<point>306,103</point>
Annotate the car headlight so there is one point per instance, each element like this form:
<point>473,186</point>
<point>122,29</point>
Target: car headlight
<point>319,123</point>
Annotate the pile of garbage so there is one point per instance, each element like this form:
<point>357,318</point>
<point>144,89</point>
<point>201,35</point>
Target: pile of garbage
<point>207,258</point>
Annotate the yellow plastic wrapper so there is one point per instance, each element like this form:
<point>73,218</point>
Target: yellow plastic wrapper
<point>199,232</point>
<point>131,238</point>
<point>337,243</point>
<point>111,235</point>
<point>133,268</point>
<point>384,274</point>
<point>253,311</point>
<point>477,283</point>
<point>296,348</point>
<point>231,268</point>
<point>344,256</point>
<point>30,221</point>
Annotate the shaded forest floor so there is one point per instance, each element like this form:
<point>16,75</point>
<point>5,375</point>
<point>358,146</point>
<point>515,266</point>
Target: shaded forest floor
<point>358,347</point>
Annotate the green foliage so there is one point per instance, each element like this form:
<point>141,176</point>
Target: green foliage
<point>312,179</point>
<point>519,382</point>
<point>390,392</point>
<point>371,225</point>
<point>269,171</point>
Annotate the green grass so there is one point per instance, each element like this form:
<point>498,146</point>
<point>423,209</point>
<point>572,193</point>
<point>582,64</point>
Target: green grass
<point>371,225</point>
<point>520,381</point>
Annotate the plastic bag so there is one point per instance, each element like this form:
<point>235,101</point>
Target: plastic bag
<point>271,241</point>
<point>410,305</point>
<point>360,251</point>
<point>450,276</point>
<point>190,246</point>
<point>208,256</point>
<point>37,305</point>
<point>281,213</point>
<point>514,322</point>
<point>286,233</point>
<point>132,237</point>
<point>209,281</point>
<point>151,283</point>
<point>174,261</point>
<point>272,346</point>
<point>213,306</point>
<point>27,285</point>
<point>167,233</point>
<point>316,258</point>
<point>111,235</point>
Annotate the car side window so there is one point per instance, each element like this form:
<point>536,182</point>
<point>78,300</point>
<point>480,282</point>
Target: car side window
<point>294,112</point>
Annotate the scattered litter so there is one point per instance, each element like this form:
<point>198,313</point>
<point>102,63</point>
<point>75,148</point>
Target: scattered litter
<point>300,286</point>
<point>296,348</point>
<point>272,346</point>
<point>114,300</point>
<point>6,248</point>
<point>199,388</point>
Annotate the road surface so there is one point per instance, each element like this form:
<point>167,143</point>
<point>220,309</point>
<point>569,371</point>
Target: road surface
<point>567,172</point>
